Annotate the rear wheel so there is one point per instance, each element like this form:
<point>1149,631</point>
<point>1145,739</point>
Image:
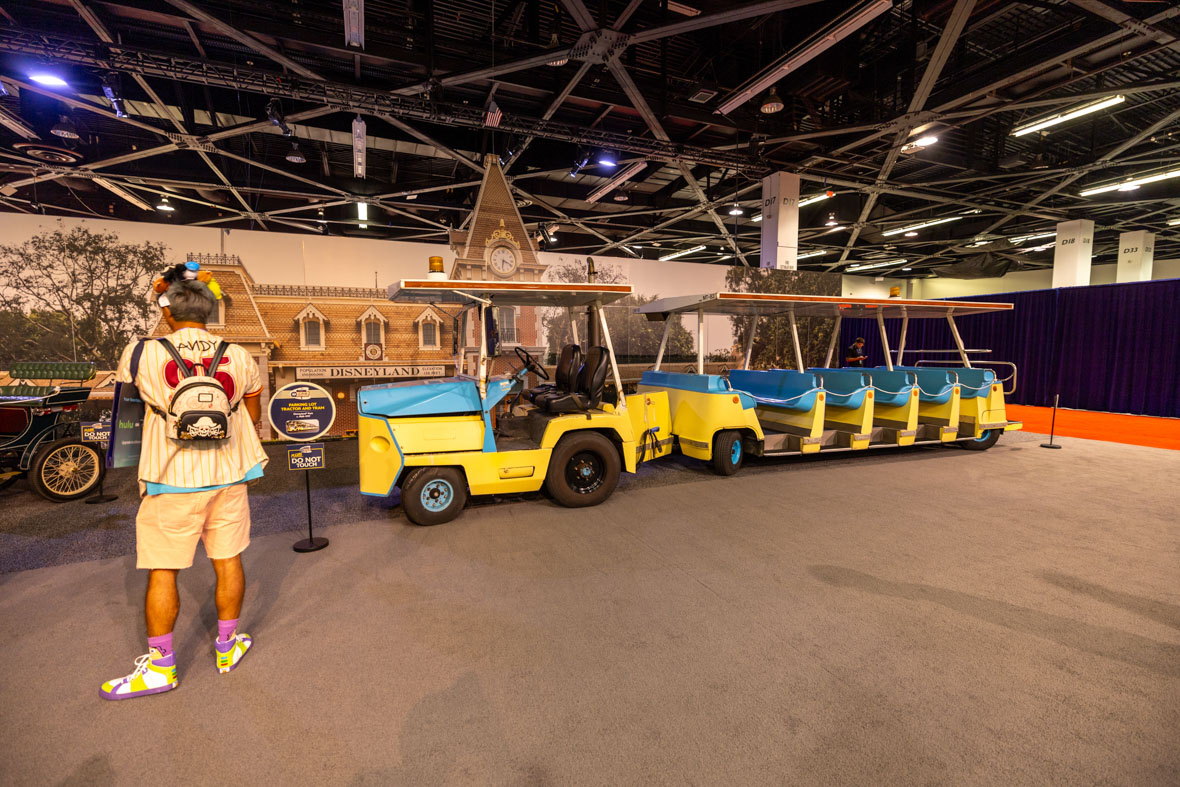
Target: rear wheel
<point>66,470</point>
<point>583,470</point>
<point>984,441</point>
<point>434,495</point>
<point>727,452</point>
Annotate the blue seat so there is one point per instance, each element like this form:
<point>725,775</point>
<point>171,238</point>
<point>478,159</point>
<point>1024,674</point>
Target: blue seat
<point>972,382</point>
<point>784,388</point>
<point>935,385</point>
<point>703,383</point>
<point>892,388</point>
<point>845,387</point>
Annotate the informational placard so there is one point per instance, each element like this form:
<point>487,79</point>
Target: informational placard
<point>301,411</point>
<point>370,372</point>
<point>126,441</point>
<point>96,431</point>
<point>309,456</point>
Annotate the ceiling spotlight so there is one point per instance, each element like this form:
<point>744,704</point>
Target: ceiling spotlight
<point>296,156</point>
<point>48,80</point>
<point>320,214</point>
<point>918,144</point>
<point>907,269</point>
<point>1067,115</point>
<point>620,196</point>
<point>359,145</point>
<point>164,205</point>
<point>114,93</point>
<point>554,42</point>
<point>911,234</point>
<point>736,210</point>
<point>831,222</point>
<point>608,159</point>
<point>274,113</point>
<point>65,129</point>
<point>771,103</point>
<point>579,163</point>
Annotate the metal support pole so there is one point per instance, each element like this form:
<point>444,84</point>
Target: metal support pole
<point>905,324</point>
<point>795,340</point>
<point>700,341</point>
<point>312,543</point>
<point>573,324</point>
<point>884,339</point>
<point>610,351</point>
<point>832,344</point>
<point>664,339</point>
<point>750,341</point>
<point>483,352</point>
<point>958,340</point>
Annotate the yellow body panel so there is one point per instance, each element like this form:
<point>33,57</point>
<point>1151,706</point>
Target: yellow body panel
<point>493,472</point>
<point>649,410</point>
<point>944,415</point>
<point>854,423</point>
<point>697,416</point>
<point>903,418</point>
<point>978,415</point>
<point>380,459</point>
<point>809,425</point>
<point>437,433</point>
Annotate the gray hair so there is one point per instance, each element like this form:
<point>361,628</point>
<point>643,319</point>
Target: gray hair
<point>191,301</point>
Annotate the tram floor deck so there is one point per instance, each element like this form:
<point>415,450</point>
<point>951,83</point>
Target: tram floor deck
<point>926,615</point>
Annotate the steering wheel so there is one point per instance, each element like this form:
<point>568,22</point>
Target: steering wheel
<point>530,363</point>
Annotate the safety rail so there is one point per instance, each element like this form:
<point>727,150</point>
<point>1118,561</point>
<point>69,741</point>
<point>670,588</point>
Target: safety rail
<point>1012,377</point>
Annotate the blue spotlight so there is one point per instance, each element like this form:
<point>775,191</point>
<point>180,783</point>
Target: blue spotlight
<point>48,80</point>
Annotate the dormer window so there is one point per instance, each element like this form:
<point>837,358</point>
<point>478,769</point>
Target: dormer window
<point>312,325</point>
<point>372,325</point>
<point>429,330</point>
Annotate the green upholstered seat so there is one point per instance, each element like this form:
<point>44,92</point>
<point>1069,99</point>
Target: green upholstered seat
<point>52,370</point>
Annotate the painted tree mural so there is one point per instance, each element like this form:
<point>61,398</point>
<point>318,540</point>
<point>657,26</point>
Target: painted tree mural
<point>773,347</point>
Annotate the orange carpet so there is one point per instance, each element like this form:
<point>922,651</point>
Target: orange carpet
<point>1112,427</point>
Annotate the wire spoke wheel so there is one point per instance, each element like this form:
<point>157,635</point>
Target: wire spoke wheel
<point>67,469</point>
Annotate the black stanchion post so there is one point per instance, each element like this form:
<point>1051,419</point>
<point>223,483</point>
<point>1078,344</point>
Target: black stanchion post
<point>312,542</point>
<point>100,497</point>
<point>1052,424</point>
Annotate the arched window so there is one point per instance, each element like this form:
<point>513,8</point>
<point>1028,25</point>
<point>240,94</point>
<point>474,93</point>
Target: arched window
<point>312,325</point>
<point>372,326</point>
<point>429,330</point>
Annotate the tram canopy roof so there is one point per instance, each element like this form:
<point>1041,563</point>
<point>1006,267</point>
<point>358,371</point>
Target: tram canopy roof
<point>758,304</point>
<point>506,293</point>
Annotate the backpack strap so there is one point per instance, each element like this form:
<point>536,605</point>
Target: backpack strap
<point>215,361</point>
<point>136,354</point>
<point>181,367</point>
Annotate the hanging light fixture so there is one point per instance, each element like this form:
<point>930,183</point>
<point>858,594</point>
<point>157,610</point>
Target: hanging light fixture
<point>65,129</point>
<point>736,210</point>
<point>165,205</point>
<point>296,156</point>
<point>620,196</point>
<point>772,103</point>
<point>831,222</point>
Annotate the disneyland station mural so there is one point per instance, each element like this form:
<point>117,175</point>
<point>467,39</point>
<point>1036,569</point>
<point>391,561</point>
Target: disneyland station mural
<point>316,308</point>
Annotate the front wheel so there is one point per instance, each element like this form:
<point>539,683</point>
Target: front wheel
<point>583,470</point>
<point>727,452</point>
<point>66,470</point>
<point>984,441</point>
<point>434,495</point>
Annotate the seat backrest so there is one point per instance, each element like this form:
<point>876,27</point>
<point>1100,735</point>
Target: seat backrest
<point>569,363</point>
<point>592,378</point>
<point>52,370</point>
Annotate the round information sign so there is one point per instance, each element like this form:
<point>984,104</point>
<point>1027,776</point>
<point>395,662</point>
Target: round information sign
<point>301,411</point>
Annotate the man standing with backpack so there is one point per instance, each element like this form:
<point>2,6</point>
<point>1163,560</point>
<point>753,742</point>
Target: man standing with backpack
<point>199,449</point>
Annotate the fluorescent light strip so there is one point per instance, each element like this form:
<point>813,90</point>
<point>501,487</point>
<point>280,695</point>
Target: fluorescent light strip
<point>1041,236</point>
<point>818,253</point>
<point>674,255</point>
<point>1173,222</point>
<point>812,200</point>
<point>362,213</point>
<point>121,192</point>
<point>1131,183</point>
<point>1067,115</point>
<point>757,218</point>
<point>359,145</point>
<point>617,180</point>
<point>921,226</point>
<point>875,265</point>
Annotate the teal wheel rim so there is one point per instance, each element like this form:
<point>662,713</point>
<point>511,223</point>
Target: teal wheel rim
<point>437,495</point>
<point>987,433</point>
<point>735,453</point>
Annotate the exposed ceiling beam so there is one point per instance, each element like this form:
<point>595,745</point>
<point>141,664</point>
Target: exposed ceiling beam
<point>242,38</point>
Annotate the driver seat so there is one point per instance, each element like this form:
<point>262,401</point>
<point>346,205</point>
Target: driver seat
<point>590,384</point>
<point>568,364</point>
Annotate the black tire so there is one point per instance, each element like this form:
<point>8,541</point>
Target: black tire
<point>67,470</point>
<point>583,470</point>
<point>434,495</point>
<point>728,452</point>
<point>986,441</point>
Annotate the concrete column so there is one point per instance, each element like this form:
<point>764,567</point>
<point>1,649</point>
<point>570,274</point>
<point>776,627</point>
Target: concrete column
<point>1071,259</point>
<point>1136,254</point>
<point>780,221</point>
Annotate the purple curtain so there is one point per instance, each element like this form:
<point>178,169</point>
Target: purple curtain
<point>1114,347</point>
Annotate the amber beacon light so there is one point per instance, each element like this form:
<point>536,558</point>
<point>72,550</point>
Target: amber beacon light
<point>436,272</point>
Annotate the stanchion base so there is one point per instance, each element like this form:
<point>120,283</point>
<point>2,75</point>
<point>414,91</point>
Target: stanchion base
<point>90,501</point>
<point>310,544</point>
<point>1049,445</point>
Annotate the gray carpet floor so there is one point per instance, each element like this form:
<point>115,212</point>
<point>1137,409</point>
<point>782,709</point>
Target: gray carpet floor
<point>930,616</point>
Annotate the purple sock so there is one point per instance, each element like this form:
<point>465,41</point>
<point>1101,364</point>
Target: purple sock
<point>225,629</point>
<point>163,643</point>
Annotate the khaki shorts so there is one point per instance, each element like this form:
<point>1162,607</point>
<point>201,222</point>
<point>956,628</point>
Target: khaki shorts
<point>169,526</point>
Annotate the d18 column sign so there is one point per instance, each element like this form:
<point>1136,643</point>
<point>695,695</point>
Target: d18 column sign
<point>301,411</point>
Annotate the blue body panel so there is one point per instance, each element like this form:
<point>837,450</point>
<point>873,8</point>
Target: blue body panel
<point>446,396</point>
<point>935,385</point>
<point>845,387</point>
<point>700,383</point>
<point>784,388</point>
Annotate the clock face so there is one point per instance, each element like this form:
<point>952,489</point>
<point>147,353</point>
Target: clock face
<point>502,260</point>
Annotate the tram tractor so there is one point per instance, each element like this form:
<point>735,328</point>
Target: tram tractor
<point>802,411</point>
<point>440,440</point>
<point>38,438</point>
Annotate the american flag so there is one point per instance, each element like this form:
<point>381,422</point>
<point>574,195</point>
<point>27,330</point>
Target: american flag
<point>492,115</point>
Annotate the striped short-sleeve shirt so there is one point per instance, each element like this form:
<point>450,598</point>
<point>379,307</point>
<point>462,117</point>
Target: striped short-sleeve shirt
<point>194,465</point>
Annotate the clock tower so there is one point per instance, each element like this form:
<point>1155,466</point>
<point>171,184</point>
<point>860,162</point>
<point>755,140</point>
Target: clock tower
<point>496,247</point>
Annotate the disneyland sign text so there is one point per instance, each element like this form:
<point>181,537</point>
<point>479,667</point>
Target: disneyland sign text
<point>342,372</point>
